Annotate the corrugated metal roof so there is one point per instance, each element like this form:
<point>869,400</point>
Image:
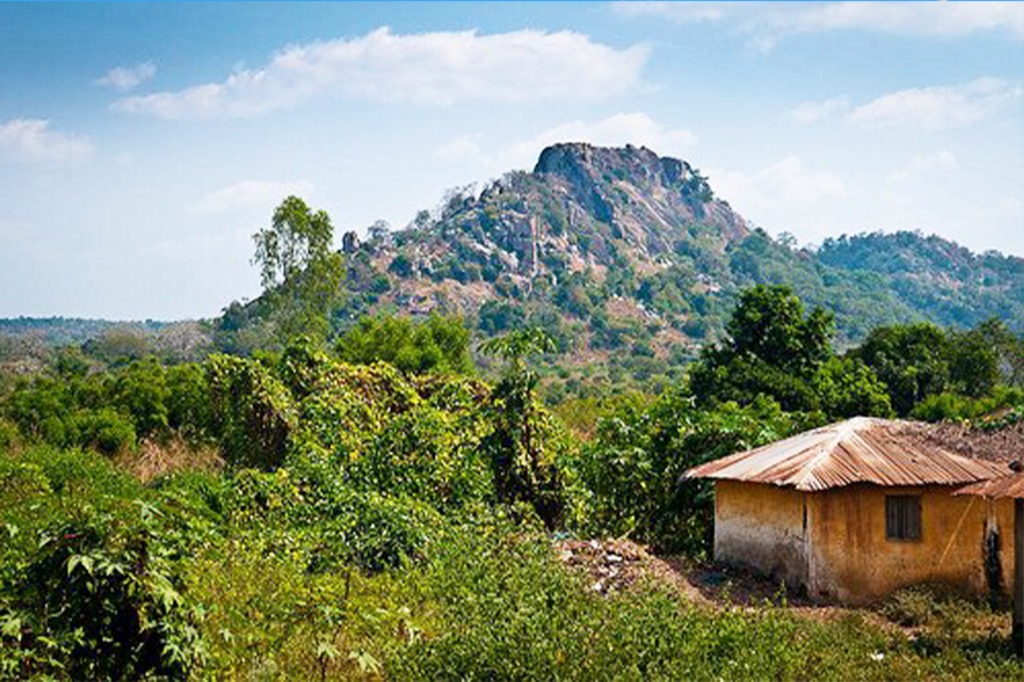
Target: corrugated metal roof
<point>1006,486</point>
<point>859,450</point>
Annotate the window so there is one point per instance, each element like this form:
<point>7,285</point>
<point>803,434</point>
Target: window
<point>902,517</point>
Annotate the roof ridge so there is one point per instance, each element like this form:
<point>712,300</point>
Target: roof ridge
<point>860,449</point>
<point>843,430</point>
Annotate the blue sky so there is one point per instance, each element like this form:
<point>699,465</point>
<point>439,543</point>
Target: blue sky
<point>142,144</point>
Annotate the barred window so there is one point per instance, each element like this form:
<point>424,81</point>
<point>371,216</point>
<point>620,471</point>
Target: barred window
<point>902,517</point>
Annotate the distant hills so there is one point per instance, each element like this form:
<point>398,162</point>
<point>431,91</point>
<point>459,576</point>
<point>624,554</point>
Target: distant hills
<point>620,250</point>
<point>59,331</point>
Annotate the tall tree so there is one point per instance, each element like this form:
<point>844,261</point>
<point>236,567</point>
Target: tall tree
<point>912,360</point>
<point>524,442</point>
<point>300,271</point>
<point>774,350</point>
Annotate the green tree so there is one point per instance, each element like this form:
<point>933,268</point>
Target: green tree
<point>912,360</point>
<point>973,363</point>
<point>140,390</point>
<point>300,272</point>
<point>769,324</point>
<point>1009,348</point>
<point>438,345</point>
<point>633,469</point>
<point>524,444</point>
<point>777,351</point>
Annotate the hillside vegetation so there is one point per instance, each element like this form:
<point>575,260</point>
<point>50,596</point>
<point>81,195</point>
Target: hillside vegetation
<point>317,486</point>
<point>616,253</point>
<point>294,515</point>
<point>623,249</point>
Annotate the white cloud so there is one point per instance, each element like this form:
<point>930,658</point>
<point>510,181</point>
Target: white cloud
<point>943,160</point>
<point>249,196</point>
<point>617,130</point>
<point>938,107</point>
<point>33,141</point>
<point>463,149</point>
<point>427,68</point>
<point>784,183</point>
<point>811,112</point>
<point>124,78</point>
<point>764,24</point>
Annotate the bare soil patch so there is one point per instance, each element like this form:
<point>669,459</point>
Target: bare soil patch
<point>614,566</point>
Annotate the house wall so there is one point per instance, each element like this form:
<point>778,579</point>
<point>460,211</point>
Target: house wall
<point>761,526</point>
<point>851,560</point>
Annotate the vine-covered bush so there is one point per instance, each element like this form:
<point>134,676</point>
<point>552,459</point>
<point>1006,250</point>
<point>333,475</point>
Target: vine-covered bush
<point>634,467</point>
<point>252,412</point>
<point>88,586</point>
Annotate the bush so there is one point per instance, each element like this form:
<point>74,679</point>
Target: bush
<point>439,344</point>
<point>89,590</point>
<point>929,605</point>
<point>140,390</point>
<point>104,430</point>
<point>633,469</point>
<point>427,454</point>
<point>9,436</point>
<point>251,412</point>
<point>953,407</point>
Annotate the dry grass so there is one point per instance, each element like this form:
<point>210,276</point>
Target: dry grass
<point>153,459</point>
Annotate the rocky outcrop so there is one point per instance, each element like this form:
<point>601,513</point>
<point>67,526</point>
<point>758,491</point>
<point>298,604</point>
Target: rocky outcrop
<point>349,242</point>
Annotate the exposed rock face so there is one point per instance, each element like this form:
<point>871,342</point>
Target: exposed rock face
<point>611,239</point>
<point>349,242</point>
<point>582,209</point>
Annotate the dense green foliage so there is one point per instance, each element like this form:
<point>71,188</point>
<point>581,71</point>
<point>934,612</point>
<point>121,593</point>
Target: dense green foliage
<point>438,344</point>
<point>773,350</point>
<point>634,467</point>
<point>381,513</point>
<point>110,411</point>
<point>921,361</point>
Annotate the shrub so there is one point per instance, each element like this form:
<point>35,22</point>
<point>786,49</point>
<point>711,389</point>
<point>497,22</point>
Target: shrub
<point>89,590</point>
<point>104,430</point>
<point>251,412</point>
<point>9,436</point>
<point>633,469</point>
<point>439,344</point>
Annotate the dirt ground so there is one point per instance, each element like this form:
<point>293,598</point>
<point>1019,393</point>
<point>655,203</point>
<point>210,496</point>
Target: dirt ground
<point>616,565</point>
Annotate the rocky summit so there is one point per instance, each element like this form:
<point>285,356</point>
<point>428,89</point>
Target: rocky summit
<point>623,248</point>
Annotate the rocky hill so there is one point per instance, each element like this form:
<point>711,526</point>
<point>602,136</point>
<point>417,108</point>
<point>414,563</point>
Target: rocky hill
<point>620,249</point>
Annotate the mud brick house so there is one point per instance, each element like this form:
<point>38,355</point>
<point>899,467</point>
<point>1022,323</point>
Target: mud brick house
<point>856,510</point>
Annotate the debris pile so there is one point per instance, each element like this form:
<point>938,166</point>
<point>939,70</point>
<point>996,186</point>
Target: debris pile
<point>611,565</point>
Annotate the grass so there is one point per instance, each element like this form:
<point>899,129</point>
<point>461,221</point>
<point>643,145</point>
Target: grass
<point>489,599</point>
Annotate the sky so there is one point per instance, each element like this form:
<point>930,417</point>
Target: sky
<point>142,144</point>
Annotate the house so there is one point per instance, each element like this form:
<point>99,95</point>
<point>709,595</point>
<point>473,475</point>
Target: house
<point>856,510</point>
<point>1009,487</point>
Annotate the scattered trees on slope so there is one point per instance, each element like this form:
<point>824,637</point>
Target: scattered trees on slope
<point>774,350</point>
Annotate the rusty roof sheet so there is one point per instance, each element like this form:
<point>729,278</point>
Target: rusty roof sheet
<point>1005,486</point>
<point>859,450</point>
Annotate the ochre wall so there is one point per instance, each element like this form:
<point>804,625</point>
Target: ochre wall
<point>851,560</point>
<point>842,552</point>
<point>761,526</point>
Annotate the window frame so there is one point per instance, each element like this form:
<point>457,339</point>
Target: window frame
<point>904,518</point>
